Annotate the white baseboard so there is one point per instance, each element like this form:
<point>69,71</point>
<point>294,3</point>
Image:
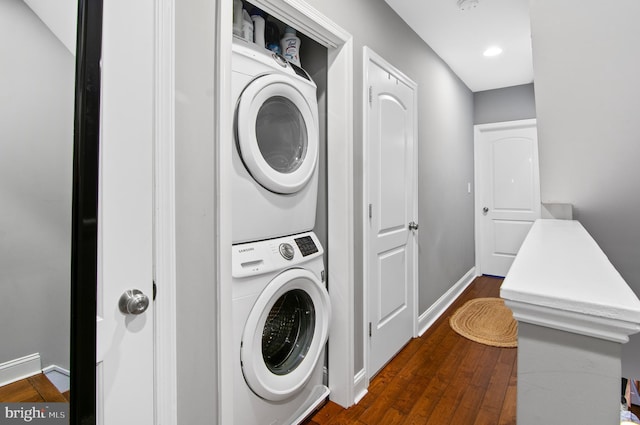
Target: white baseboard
<point>360,385</point>
<point>427,318</point>
<point>59,377</point>
<point>17,369</point>
<point>56,369</point>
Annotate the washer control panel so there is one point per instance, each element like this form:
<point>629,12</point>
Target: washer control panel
<point>306,245</point>
<point>254,258</point>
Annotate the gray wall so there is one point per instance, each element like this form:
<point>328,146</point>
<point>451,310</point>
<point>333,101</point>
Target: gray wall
<point>586,63</point>
<point>314,61</point>
<point>445,107</point>
<point>197,326</point>
<point>548,359</point>
<point>36,145</point>
<point>506,104</point>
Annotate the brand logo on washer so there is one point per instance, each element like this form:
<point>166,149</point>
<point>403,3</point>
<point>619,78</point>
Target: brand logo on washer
<point>246,249</point>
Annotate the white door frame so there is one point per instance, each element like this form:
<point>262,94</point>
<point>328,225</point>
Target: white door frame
<point>340,190</point>
<point>165,356</point>
<point>340,195</point>
<point>123,266</point>
<point>369,54</point>
<point>478,190</point>
<point>165,381</point>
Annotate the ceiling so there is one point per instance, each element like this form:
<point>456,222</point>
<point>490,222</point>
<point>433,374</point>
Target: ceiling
<point>460,37</point>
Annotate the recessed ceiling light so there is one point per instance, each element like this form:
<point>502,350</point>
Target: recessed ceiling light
<point>467,4</point>
<point>492,51</point>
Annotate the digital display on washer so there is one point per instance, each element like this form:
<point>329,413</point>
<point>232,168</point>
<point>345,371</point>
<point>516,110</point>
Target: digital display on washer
<point>300,71</point>
<point>306,245</point>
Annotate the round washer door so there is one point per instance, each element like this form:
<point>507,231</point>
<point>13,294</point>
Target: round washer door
<point>277,133</point>
<point>285,334</point>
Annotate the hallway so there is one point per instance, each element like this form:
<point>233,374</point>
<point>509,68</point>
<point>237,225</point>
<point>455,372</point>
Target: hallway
<point>438,379</point>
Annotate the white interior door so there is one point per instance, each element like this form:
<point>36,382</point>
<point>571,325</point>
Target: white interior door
<point>124,349</point>
<point>507,191</point>
<point>390,122</point>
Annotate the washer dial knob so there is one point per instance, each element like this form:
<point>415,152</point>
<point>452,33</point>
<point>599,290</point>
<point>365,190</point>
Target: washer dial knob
<point>286,250</point>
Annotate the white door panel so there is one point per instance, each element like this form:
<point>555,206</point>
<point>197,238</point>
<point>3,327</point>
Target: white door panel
<point>392,201</point>
<point>507,191</point>
<point>393,298</point>
<point>392,156</point>
<point>513,174</point>
<point>125,365</point>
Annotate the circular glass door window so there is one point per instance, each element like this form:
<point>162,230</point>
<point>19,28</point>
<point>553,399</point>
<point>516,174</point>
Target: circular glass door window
<point>288,332</point>
<point>284,335</point>
<point>277,133</point>
<point>281,134</point>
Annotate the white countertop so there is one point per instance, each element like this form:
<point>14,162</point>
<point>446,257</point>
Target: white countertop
<point>561,267</point>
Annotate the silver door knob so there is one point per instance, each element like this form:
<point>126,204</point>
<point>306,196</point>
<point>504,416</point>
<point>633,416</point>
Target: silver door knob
<point>133,301</point>
<point>413,225</point>
<point>485,210</point>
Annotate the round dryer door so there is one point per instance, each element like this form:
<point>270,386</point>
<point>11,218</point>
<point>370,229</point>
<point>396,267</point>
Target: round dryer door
<point>277,133</point>
<point>285,335</point>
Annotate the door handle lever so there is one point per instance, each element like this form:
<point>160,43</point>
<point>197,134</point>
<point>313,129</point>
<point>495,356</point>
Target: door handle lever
<point>413,225</point>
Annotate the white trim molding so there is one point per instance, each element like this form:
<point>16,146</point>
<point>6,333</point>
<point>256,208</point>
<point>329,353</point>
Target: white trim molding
<point>341,246</point>
<point>56,369</point>
<point>340,189</point>
<point>59,377</point>
<point>223,133</point>
<point>360,385</point>
<point>432,314</point>
<point>305,18</point>
<point>614,330</point>
<point>17,369</point>
<point>165,356</point>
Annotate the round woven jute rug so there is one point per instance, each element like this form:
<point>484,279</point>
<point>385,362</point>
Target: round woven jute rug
<point>487,321</point>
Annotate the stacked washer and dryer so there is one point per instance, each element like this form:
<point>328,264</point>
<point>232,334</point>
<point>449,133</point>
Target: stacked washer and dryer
<point>281,308</point>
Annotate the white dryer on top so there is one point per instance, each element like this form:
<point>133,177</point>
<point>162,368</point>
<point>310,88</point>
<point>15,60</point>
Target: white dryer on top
<point>275,157</point>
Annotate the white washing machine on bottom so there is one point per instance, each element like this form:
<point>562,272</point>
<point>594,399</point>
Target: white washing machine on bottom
<point>281,314</point>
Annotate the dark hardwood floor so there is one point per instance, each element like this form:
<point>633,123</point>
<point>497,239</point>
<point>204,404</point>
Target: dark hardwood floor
<point>440,378</point>
<point>34,389</point>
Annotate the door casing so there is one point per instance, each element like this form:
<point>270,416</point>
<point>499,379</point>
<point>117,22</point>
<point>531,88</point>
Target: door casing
<point>340,207</point>
<point>479,189</point>
<point>370,55</point>
<point>340,189</point>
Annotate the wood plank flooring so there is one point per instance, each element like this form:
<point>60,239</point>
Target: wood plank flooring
<point>440,378</point>
<point>34,389</point>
